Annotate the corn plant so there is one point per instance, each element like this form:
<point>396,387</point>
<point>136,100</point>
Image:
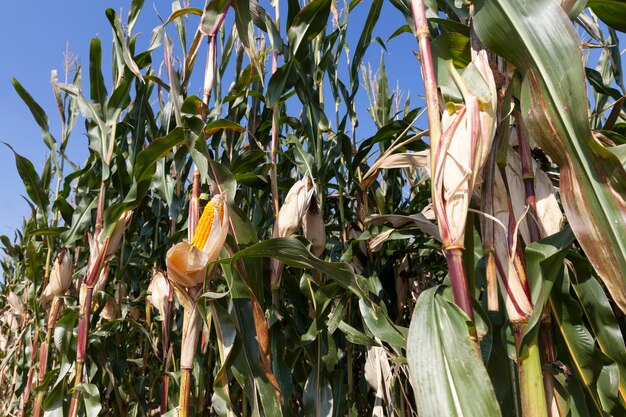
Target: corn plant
<point>237,243</point>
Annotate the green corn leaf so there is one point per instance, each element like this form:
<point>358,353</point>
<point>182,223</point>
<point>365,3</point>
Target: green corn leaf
<point>599,313</point>
<point>98,90</point>
<point>611,12</point>
<point>31,180</point>
<point>317,399</point>
<point>364,41</point>
<point>587,361</point>
<point>449,377</point>
<point>307,24</point>
<point>121,41</point>
<point>143,171</point>
<point>38,113</point>
<point>292,252</point>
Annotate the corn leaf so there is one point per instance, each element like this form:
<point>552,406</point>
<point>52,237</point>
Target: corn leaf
<point>611,12</point>
<point>449,376</point>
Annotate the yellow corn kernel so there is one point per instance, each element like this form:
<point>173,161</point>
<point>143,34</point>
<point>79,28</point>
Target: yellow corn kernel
<point>203,229</point>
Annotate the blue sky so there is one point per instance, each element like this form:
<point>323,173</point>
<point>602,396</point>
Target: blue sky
<point>33,41</point>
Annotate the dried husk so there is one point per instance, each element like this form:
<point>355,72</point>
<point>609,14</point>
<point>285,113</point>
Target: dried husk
<point>11,321</point>
<point>458,167</point>
<point>16,304</point>
<point>550,217</point>
<point>314,229</point>
<point>517,301</point>
<point>186,265</point>
<point>378,375</point>
<point>98,286</point>
<point>158,291</point>
<point>117,234</point>
<point>294,208</point>
<point>111,309</point>
<point>60,277</point>
<point>191,330</point>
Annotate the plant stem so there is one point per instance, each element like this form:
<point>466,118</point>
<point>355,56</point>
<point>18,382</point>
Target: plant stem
<point>43,354</point>
<point>487,228</point>
<point>458,277</point>
<point>185,391</point>
<point>191,331</point>
<point>428,71</point>
<point>530,375</point>
<point>81,344</point>
<point>529,178</point>
<point>77,381</point>
<point>276,271</point>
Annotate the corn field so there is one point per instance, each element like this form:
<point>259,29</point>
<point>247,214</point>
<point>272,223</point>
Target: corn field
<point>242,248</point>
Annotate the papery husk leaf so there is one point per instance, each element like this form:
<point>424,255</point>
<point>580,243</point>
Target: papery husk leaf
<point>395,160</point>
<point>98,286</point>
<point>539,38</point>
<point>16,304</point>
<point>117,233</point>
<point>192,324</point>
<point>159,292</point>
<point>111,309</point>
<point>459,166</point>
<point>60,277</point>
<point>550,217</point>
<point>517,300</point>
<point>406,160</point>
<point>186,265</point>
<point>293,209</point>
<point>314,229</point>
<point>379,377</point>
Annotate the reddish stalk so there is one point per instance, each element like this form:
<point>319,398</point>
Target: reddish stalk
<point>83,324</point>
<point>428,71</point>
<point>43,354</point>
<point>458,277</point>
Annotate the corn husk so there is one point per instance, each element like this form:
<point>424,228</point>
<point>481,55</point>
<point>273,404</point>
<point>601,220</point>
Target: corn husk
<point>314,229</point>
<point>378,375</point>
<point>461,155</point>
<point>517,301</point>
<point>186,264</point>
<point>158,291</point>
<point>11,322</point>
<point>16,304</point>
<point>191,331</point>
<point>111,309</point>
<point>96,243</point>
<point>60,277</point>
<point>98,286</point>
<point>550,217</point>
<point>294,208</point>
<point>117,234</point>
